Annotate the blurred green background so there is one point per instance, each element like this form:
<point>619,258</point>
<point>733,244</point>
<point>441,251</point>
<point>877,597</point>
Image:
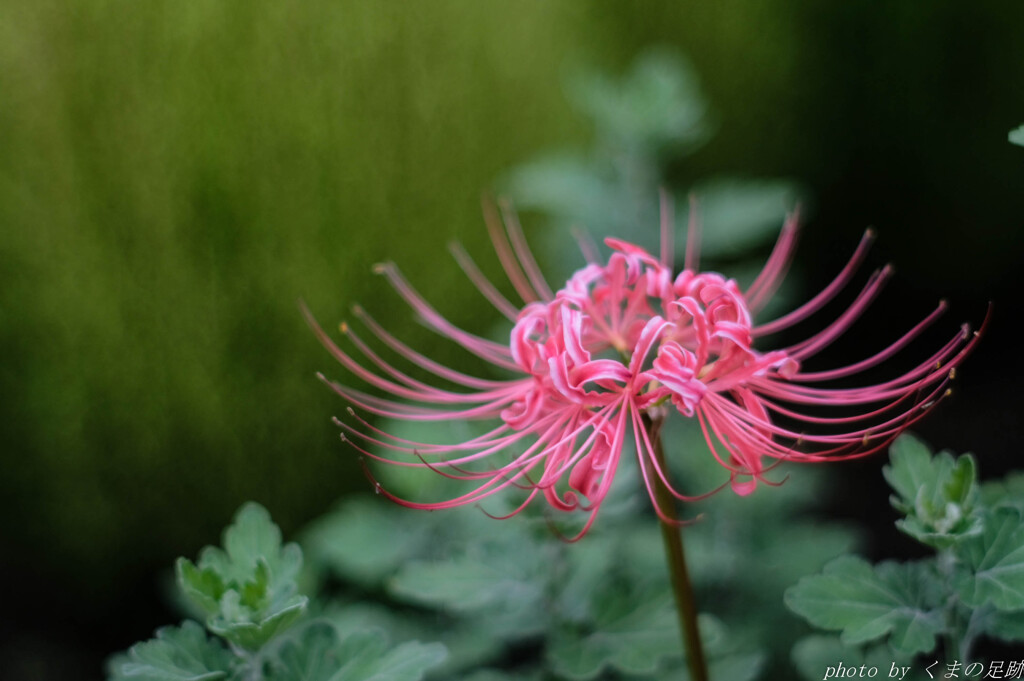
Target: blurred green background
<point>174,176</point>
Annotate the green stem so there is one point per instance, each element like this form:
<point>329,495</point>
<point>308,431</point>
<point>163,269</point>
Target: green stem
<point>678,573</point>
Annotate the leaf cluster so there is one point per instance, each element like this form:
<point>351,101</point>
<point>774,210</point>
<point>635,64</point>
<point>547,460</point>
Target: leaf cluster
<point>249,592</point>
<point>972,587</point>
<point>645,123</point>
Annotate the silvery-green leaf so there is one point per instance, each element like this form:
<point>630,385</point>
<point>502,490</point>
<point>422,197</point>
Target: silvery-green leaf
<point>176,654</point>
<point>995,563</point>
<point>867,603</point>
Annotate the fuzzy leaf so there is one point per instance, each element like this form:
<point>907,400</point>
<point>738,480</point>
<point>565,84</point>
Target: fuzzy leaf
<point>470,641</point>
<point>815,655</point>
<point>632,633</point>
<point>251,538</point>
<point>1017,136</point>
<point>495,675</point>
<point>658,105</point>
<point>203,587</point>
<point>736,667</point>
<point>1007,492</point>
<point>995,563</point>
<point>252,628</point>
<point>319,655</point>
<point>504,590</point>
<point>572,189</point>
<point>348,540</point>
<point>1006,626</point>
<point>868,603</point>
<point>502,577</point>
<point>176,654</point>
<point>459,584</point>
<point>937,494</point>
<point>736,215</point>
<point>248,588</point>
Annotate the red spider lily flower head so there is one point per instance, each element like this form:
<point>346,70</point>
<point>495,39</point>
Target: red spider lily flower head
<point>622,341</point>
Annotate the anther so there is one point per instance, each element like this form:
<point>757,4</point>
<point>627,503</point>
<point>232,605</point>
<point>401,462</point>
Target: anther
<point>952,373</point>
<point>343,327</point>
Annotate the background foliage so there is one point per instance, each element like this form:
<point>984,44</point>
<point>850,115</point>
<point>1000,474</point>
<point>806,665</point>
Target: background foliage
<point>175,175</point>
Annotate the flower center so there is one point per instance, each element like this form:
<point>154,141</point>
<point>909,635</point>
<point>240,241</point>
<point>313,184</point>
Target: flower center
<point>629,329</point>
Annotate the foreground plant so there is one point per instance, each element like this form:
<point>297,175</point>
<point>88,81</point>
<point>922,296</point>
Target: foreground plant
<point>933,608</point>
<point>249,594</point>
<point>609,355</point>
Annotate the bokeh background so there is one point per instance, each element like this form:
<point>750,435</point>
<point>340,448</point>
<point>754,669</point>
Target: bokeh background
<point>175,176</point>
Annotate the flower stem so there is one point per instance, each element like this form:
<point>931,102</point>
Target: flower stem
<point>678,573</point>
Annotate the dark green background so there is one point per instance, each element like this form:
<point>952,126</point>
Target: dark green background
<point>174,176</point>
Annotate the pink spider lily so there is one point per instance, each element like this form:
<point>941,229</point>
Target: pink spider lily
<point>620,344</point>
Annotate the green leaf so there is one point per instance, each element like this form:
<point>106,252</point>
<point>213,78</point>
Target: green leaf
<point>348,540</point>
<point>203,587</point>
<point>462,584</point>
<point>868,603</point>
<point>814,656</point>
<point>632,632</point>
<point>470,641</point>
<point>572,189</point>
<point>252,628</point>
<point>176,654</point>
<point>735,667</point>
<point>319,655</point>
<point>656,106</point>
<point>1006,626</point>
<point>995,563</point>
<point>937,494</point>
<point>251,538</point>
<point>248,589</point>
<point>1017,136</point>
<point>495,675</point>
<point>502,577</point>
<point>1005,493</point>
<point>736,215</point>
<point>510,596</point>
